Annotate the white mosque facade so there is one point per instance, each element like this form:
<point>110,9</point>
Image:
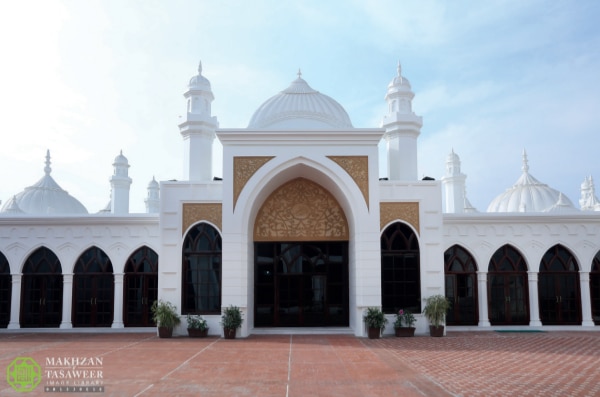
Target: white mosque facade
<point>301,233</point>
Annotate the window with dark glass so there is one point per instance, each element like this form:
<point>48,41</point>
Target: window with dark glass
<point>461,286</point>
<point>201,270</point>
<point>140,287</point>
<point>595,288</point>
<point>93,290</point>
<point>5,291</point>
<point>400,269</point>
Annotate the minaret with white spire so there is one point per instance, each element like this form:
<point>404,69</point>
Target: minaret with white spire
<point>120,183</point>
<point>153,199</point>
<point>454,185</point>
<point>402,128</point>
<point>198,130</point>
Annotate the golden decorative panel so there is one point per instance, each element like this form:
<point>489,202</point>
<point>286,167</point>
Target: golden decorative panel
<point>301,210</point>
<point>358,168</point>
<point>196,212</point>
<point>407,212</point>
<point>243,169</point>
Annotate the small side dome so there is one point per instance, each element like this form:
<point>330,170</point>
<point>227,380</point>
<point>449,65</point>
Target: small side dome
<point>45,197</point>
<point>153,184</point>
<point>399,82</point>
<point>121,160</point>
<point>299,106</point>
<point>530,195</point>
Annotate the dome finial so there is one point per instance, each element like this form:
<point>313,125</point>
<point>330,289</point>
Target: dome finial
<point>299,73</point>
<point>200,67</point>
<point>525,167</point>
<point>47,168</point>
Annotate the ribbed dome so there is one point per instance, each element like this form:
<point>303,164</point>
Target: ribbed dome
<point>45,197</point>
<point>530,195</point>
<point>299,106</point>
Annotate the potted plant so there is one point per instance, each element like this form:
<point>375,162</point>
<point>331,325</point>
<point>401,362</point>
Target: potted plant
<point>197,327</point>
<point>405,323</point>
<point>164,314</point>
<point>435,310</point>
<point>231,320</point>
<point>375,321</point>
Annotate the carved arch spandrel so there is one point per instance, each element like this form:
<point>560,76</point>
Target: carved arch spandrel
<point>358,169</point>
<point>301,210</point>
<point>408,212</point>
<point>195,212</point>
<point>243,169</point>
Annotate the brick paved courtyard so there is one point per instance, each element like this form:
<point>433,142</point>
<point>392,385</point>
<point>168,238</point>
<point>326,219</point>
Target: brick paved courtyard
<point>460,364</point>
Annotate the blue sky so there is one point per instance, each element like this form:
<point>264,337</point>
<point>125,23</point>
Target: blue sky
<point>88,79</point>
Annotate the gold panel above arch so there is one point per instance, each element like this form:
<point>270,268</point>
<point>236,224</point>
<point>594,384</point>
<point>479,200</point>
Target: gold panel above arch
<point>358,168</point>
<point>407,212</point>
<point>196,212</point>
<point>243,169</point>
<point>301,210</point>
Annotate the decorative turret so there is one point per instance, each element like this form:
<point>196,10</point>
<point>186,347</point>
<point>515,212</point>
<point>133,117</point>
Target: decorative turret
<point>153,199</point>
<point>402,128</point>
<point>454,185</point>
<point>198,130</point>
<point>588,200</point>
<point>120,183</point>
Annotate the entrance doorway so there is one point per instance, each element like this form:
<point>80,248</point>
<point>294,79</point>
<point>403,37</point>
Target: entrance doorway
<point>141,288</point>
<point>5,291</point>
<point>301,284</point>
<point>461,286</point>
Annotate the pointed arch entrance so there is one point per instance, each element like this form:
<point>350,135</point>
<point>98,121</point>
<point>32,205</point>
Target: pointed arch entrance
<point>559,289</point>
<point>141,287</point>
<point>595,288</point>
<point>5,291</point>
<point>93,290</point>
<point>41,290</point>
<point>461,286</point>
<point>301,258</point>
<point>508,290</point>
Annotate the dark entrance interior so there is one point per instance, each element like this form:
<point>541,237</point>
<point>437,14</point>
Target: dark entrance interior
<point>461,286</point>
<point>508,292</point>
<point>301,284</point>
<point>141,288</point>
<point>5,291</point>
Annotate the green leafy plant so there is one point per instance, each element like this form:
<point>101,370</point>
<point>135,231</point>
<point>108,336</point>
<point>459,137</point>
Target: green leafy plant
<point>196,322</point>
<point>232,317</point>
<point>374,318</point>
<point>435,310</point>
<point>164,314</point>
<point>404,318</point>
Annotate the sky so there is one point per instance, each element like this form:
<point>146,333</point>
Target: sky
<point>88,79</point>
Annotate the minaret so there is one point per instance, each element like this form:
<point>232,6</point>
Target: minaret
<point>153,199</point>
<point>198,130</point>
<point>402,128</point>
<point>120,183</point>
<point>454,185</point>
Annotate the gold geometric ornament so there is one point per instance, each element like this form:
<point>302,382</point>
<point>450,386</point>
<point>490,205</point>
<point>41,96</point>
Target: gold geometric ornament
<point>407,212</point>
<point>358,168</point>
<point>196,212</point>
<point>243,169</point>
<point>301,210</point>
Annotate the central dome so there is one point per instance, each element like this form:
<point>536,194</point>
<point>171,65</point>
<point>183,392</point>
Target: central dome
<point>298,107</point>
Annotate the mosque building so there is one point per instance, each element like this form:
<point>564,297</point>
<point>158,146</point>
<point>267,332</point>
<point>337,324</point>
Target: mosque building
<point>301,233</point>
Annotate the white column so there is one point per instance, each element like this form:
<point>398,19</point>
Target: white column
<point>586,301</point>
<point>534,309</point>
<point>118,302</point>
<point>484,319</point>
<point>15,302</point>
<point>67,301</point>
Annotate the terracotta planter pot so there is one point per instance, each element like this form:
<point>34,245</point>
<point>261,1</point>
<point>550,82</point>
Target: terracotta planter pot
<point>374,333</point>
<point>165,332</point>
<point>436,331</point>
<point>197,333</point>
<point>405,331</point>
<point>229,333</point>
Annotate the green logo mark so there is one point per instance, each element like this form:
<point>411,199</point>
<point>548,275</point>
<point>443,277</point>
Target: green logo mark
<point>23,374</point>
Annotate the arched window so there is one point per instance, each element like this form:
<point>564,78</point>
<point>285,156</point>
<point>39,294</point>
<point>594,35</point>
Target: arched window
<point>508,288</point>
<point>5,291</point>
<point>140,285</point>
<point>559,295</point>
<point>41,290</point>
<point>461,286</point>
<point>93,290</point>
<point>201,270</point>
<point>400,269</point>
<point>595,288</point>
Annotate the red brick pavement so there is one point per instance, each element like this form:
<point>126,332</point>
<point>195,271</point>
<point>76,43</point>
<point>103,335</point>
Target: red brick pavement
<point>459,364</point>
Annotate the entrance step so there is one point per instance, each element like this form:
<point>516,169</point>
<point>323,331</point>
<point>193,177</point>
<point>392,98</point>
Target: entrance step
<point>302,331</point>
